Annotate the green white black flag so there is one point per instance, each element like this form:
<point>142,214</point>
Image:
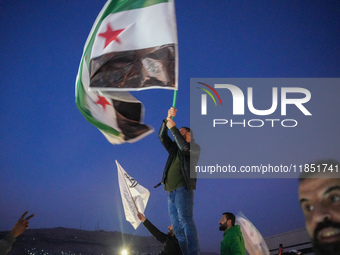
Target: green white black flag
<point>132,46</point>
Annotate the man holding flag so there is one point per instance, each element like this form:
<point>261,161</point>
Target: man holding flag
<point>169,241</point>
<point>177,181</point>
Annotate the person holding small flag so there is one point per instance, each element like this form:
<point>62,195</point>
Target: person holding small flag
<point>178,183</point>
<point>169,241</point>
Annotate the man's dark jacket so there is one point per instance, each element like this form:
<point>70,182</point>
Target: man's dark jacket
<point>170,242</point>
<point>185,149</point>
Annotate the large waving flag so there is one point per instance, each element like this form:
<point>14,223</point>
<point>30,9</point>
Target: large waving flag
<point>132,46</point>
<point>253,240</point>
<point>134,196</point>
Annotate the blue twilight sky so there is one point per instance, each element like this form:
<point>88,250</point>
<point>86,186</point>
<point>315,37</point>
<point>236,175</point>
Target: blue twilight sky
<point>58,166</point>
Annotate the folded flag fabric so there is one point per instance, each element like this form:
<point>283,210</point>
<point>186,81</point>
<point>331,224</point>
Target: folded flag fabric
<point>253,240</point>
<point>132,46</point>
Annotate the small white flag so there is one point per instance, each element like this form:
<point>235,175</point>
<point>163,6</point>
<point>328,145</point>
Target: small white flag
<point>253,240</point>
<point>134,196</point>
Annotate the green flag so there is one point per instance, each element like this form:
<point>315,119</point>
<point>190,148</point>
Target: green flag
<point>132,46</point>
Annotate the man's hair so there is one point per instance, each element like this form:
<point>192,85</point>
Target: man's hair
<point>189,130</point>
<point>329,168</point>
<point>230,216</point>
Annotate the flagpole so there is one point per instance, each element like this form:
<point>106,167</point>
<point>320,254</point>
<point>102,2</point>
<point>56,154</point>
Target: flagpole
<point>128,189</point>
<point>174,99</point>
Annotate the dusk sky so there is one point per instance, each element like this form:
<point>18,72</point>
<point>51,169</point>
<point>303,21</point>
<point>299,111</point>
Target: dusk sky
<point>57,165</point>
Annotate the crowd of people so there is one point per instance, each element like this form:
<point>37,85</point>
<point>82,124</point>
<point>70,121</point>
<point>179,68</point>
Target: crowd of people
<point>319,197</point>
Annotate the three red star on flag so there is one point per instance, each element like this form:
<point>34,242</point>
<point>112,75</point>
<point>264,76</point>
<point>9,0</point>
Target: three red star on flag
<point>111,35</point>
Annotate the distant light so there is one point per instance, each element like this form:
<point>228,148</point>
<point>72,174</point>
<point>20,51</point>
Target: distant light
<point>124,252</point>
